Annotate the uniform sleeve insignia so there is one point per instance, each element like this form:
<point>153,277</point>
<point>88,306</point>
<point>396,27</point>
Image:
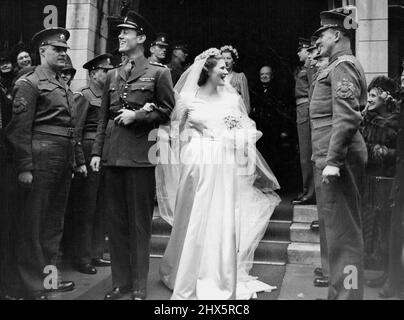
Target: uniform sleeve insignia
<point>19,105</point>
<point>345,89</point>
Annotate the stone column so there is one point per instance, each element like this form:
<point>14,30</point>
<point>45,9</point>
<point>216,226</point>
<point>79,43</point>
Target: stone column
<point>372,37</point>
<point>86,21</point>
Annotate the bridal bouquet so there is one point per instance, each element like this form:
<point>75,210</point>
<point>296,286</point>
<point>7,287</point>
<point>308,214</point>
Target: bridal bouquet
<point>232,122</point>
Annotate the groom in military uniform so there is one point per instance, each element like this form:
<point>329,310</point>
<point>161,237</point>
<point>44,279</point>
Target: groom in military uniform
<point>122,141</point>
<point>339,153</point>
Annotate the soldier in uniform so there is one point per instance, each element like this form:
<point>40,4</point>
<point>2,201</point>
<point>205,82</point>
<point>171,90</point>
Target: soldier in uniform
<point>87,194</point>
<point>68,72</point>
<point>178,61</point>
<point>339,153</point>
<point>137,97</point>
<point>158,49</point>
<point>307,196</point>
<point>41,135</point>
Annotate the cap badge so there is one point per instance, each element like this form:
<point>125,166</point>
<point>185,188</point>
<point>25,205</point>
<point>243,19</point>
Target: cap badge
<point>62,37</point>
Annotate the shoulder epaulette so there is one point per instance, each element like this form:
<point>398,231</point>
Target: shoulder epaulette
<point>158,64</point>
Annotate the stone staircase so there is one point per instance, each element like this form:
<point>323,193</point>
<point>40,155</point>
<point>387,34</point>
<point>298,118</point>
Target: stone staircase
<point>288,239</point>
<point>304,248</point>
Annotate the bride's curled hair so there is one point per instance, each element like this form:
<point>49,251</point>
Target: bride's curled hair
<point>210,63</point>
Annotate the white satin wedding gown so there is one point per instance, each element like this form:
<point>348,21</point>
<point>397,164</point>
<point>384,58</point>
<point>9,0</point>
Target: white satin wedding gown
<point>219,215</point>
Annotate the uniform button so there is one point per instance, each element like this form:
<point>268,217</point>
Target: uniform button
<point>126,87</point>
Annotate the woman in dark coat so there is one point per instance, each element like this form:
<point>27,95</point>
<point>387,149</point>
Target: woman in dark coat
<point>395,281</point>
<point>380,129</point>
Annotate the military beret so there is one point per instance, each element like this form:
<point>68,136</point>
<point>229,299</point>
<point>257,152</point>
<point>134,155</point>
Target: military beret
<point>338,18</point>
<point>161,40</point>
<point>99,62</point>
<point>54,36</point>
<point>135,21</point>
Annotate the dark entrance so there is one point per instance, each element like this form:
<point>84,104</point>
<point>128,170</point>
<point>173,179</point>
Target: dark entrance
<point>259,29</point>
<point>21,19</point>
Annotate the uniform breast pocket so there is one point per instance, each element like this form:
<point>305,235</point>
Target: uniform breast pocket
<point>141,93</point>
<point>50,91</point>
<point>95,102</point>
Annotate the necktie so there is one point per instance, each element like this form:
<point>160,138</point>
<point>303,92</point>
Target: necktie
<point>129,68</point>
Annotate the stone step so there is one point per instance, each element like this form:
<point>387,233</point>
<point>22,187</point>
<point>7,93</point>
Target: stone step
<point>305,214</point>
<point>276,231</point>
<point>304,253</point>
<point>301,232</point>
<point>268,252</point>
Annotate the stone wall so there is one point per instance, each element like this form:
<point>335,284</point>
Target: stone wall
<point>373,37</point>
<point>87,23</point>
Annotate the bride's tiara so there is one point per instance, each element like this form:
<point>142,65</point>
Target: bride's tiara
<point>212,52</point>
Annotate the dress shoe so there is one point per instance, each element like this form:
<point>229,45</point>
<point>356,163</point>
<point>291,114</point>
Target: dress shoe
<point>321,282</point>
<point>318,272</point>
<point>299,198</point>
<point>86,268</point>
<point>304,202</point>
<point>63,286</point>
<point>116,293</point>
<point>315,226</point>
<point>99,262</point>
<point>139,295</point>
<point>378,282</point>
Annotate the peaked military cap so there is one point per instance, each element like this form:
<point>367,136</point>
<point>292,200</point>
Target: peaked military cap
<point>313,45</point>
<point>135,21</point>
<point>161,40</point>
<point>340,18</point>
<point>99,62</point>
<point>54,36</point>
<point>180,45</point>
<point>303,43</point>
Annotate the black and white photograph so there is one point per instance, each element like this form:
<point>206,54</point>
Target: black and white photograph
<point>202,150</point>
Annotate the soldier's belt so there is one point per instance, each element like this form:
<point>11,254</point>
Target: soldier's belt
<point>301,101</point>
<point>55,130</point>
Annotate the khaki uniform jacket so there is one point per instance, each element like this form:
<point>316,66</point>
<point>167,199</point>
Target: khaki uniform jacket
<point>129,146</point>
<point>339,95</point>
<point>39,99</point>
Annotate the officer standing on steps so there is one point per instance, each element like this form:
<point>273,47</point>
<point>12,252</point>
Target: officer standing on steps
<point>137,98</point>
<point>41,135</point>
<point>88,195</point>
<point>339,153</point>
<point>158,49</point>
<point>307,197</point>
<point>179,56</point>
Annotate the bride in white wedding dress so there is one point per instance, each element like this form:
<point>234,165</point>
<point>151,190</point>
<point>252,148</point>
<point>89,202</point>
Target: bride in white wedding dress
<point>213,188</point>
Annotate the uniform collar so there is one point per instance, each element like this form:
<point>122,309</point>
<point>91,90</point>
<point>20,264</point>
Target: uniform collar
<point>141,64</point>
<point>46,74</point>
<point>342,52</point>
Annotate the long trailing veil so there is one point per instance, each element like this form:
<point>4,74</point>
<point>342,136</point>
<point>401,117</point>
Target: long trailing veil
<point>256,200</point>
